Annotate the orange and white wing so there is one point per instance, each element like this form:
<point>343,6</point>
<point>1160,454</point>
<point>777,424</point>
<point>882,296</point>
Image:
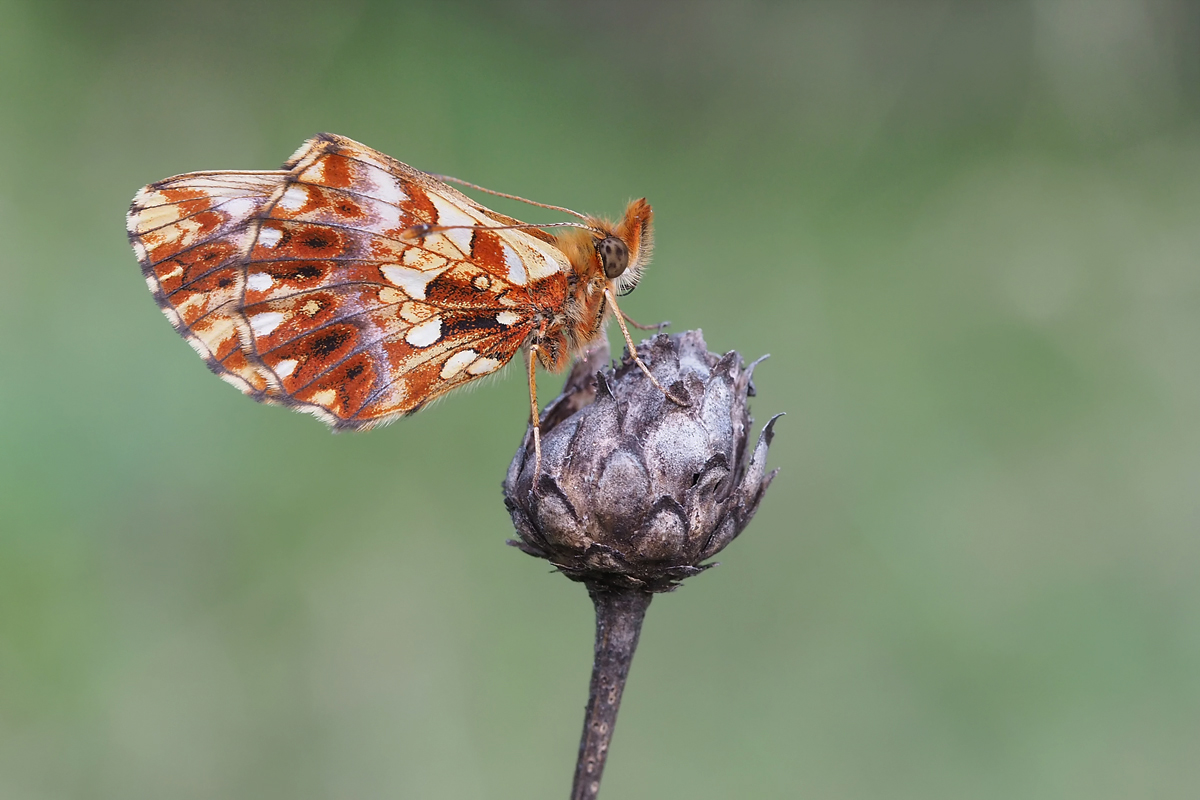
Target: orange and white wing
<point>302,288</point>
<point>190,234</point>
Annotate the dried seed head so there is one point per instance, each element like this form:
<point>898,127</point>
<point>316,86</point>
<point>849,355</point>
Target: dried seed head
<point>635,490</point>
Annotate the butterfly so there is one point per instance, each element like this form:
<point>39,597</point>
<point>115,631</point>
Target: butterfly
<point>353,287</point>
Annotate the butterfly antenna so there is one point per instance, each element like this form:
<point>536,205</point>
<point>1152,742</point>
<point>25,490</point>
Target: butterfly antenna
<point>424,229</point>
<point>518,198</point>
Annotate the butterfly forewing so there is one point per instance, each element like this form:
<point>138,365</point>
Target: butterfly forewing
<point>308,287</point>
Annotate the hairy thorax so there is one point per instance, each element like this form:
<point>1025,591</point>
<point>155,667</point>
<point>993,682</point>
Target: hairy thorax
<point>577,322</point>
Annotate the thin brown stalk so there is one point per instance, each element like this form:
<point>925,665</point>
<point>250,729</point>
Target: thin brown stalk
<point>619,615</point>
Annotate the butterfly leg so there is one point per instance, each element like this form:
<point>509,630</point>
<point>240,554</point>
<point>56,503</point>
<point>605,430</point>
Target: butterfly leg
<point>531,360</point>
<point>657,328</point>
<point>633,351</point>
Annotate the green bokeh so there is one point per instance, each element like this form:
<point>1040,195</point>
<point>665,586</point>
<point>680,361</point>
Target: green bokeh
<point>968,234</point>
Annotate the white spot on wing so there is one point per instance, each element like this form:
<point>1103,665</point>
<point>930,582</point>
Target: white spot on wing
<point>286,367</point>
<point>314,172</point>
<point>549,263</point>
<point>269,237</point>
<point>457,362</point>
<point>258,281</point>
<point>262,324</point>
<point>412,281</point>
<point>516,270</point>
<point>397,391</point>
<point>426,333</point>
<point>294,198</point>
<point>450,214</point>
<point>483,366</point>
<point>461,238</point>
<point>239,207</point>
<point>154,217</point>
<point>507,317</point>
<point>388,190</point>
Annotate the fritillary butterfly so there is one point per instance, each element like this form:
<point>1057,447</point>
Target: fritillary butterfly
<point>350,286</point>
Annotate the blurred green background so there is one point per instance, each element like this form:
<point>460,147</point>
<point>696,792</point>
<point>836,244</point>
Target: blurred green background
<point>968,234</point>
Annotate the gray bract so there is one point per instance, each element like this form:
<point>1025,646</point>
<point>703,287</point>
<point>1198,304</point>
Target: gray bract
<point>636,490</point>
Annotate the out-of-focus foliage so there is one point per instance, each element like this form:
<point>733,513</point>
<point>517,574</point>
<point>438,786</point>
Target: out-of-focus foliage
<point>968,236</point>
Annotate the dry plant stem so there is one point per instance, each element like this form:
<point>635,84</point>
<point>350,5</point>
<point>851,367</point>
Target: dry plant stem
<point>619,615</point>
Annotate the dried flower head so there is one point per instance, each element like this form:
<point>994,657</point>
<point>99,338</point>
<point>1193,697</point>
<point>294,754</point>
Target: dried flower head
<point>637,491</point>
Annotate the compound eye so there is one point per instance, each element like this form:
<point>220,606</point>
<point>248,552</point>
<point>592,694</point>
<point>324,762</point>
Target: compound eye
<point>614,255</point>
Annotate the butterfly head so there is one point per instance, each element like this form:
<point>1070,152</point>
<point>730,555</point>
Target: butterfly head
<point>624,250</point>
